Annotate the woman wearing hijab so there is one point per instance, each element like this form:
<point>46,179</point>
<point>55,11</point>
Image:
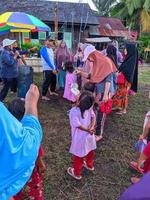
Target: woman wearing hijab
<point>119,54</point>
<point>127,78</point>
<point>98,70</point>
<point>62,56</point>
<point>19,145</point>
<point>112,54</point>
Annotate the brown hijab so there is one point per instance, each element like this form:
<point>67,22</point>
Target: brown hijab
<point>102,67</point>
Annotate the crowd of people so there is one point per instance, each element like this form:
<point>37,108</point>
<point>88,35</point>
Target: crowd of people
<point>93,82</point>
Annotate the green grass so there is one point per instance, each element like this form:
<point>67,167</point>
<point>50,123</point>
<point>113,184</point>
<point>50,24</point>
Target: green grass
<point>144,77</point>
<point>112,174</point>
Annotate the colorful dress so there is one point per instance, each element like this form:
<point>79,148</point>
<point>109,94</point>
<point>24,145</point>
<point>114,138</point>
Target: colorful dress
<point>62,56</point>
<point>34,187</point>
<point>70,79</point>
<point>120,99</point>
<point>82,141</point>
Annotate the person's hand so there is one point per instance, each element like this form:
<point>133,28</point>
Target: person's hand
<point>31,100</point>
<point>140,169</point>
<point>54,71</point>
<point>141,137</point>
<point>33,49</point>
<point>78,71</point>
<point>32,94</point>
<point>105,98</point>
<point>91,129</point>
<point>16,55</point>
<point>97,98</point>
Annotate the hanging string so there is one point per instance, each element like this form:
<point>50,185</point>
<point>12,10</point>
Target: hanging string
<point>81,23</point>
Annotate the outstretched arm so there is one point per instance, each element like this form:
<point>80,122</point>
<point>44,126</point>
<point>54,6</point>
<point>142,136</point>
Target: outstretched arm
<point>31,101</point>
<point>146,130</point>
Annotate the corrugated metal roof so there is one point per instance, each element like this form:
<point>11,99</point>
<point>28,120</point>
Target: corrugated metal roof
<point>111,23</point>
<point>44,10</point>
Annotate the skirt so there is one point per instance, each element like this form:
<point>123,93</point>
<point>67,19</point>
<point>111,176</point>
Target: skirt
<point>120,99</point>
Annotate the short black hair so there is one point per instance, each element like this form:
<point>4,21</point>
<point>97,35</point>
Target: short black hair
<point>89,87</point>
<point>17,108</point>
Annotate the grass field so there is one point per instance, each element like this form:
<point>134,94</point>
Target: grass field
<point>111,175</point>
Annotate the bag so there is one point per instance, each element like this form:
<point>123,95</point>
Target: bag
<point>106,107</point>
<point>140,146</point>
<point>121,79</point>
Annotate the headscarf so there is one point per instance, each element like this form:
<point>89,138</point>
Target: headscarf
<point>102,65</point>
<point>87,51</point>
<point>130,66</point>
<point>19,146</point>
<point>112,53</point>
<point>115,44</point>
<point>62,55</point>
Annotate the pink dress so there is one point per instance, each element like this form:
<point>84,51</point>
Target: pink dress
<point>82,141</point>
<point>70,79</point>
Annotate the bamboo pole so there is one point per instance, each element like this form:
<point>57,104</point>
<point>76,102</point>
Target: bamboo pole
<point>56,24</point>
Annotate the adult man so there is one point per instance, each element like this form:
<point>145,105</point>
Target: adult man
<point>19,145</point>
<point>9,70</point>
<point>49,68</point>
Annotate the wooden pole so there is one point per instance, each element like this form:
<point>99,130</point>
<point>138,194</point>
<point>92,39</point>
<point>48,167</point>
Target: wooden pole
<point>56,24</point>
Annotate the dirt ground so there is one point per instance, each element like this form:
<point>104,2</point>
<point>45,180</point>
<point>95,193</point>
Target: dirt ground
<point>112,174</point>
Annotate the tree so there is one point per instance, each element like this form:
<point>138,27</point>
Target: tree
<point>136,13</point>
<point>103,6</point>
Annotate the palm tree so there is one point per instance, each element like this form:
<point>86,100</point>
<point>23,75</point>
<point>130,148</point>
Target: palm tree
<point>135,12</point>
<point>103,6</point>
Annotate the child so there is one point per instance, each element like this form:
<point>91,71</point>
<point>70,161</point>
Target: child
<point>82,121</point>
<point>143,141</point>
<point>70,80</point>
<point>34,186</point>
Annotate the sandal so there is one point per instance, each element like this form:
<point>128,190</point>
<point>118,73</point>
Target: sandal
<point>121,112</point>
<point>45,98</point>
<point>115,109</point>
<point>134,165</point>
<point>88,168</point>
<point>70,171</point>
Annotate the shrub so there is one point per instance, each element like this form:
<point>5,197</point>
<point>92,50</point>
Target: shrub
<point>144,42</point>
<point>30,45</point>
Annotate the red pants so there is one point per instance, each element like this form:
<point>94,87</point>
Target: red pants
<point>78,162</point>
